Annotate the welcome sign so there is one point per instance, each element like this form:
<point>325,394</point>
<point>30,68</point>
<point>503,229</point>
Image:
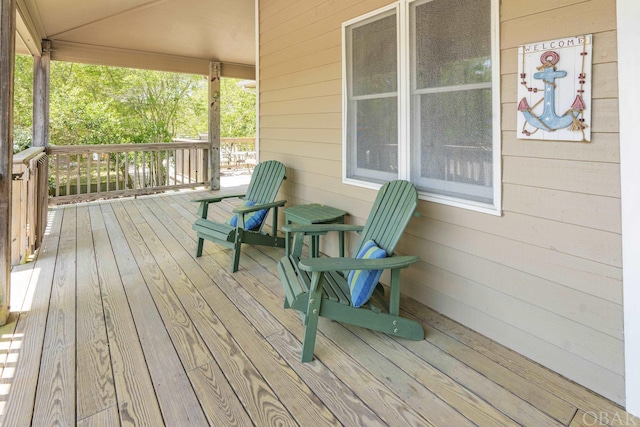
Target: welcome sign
<point>554,91</point>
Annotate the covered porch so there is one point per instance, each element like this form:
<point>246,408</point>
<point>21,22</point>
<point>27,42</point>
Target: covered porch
<point>117,323</point>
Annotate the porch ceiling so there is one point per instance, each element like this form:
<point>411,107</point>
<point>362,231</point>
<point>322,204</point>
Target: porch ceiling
<point>172,35</point>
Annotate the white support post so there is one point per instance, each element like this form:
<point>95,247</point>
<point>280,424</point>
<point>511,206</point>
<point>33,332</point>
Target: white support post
<point>628,65</point>
<point>214,125</point>
<point>41,90</point>
<point>7,59</point>
<point>257,79</point>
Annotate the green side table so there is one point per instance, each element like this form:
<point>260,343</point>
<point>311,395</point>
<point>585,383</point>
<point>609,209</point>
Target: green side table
<point>313,214</point>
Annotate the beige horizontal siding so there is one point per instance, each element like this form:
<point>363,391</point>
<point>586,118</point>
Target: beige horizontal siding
<point>604,50</point>
<point>545,277</point>
<point>569,206</point>
<point>301,121</point>
<point>604,147</point>
<point>303,63</point>
<point>581,177</point>
<point>327,135</point>
<point>322,73</point>
<point>588,312</point>
<point>558,358</point>
<point>550,20</point>
<point>327,87</point>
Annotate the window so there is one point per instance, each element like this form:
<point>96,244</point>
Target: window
<point>372,113</point>
<point>422,102</point>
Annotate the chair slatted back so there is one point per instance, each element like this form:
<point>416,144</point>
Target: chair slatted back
<point>389,216</point>
<point>265,181</point>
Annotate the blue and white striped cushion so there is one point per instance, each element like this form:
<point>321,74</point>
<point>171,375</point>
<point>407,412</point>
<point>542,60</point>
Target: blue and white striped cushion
<point>252,220</point>
<point>363,282</point>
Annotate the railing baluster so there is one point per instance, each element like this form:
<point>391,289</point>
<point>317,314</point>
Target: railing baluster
<point>189,168</point>
<point>98,167</point>
<point>185,164</point>
<point>175,166</point>
<point>153,165</point>
<point>149,177</point>
<point>57,181</point>
<point>198,163</point>
<point>203,163</point>
<point>78,175</point>
<point>88,177</point>
<point>167,162</point>
<point>135,170</point>
<point>68,174</point>
<point>108,172</point>
<point>144,169</point>
<point>117,171</point>
<point>163,176</point>
<point>127,174</point>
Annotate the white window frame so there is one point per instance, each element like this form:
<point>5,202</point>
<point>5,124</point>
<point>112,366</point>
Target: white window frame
<point>348,97</point>
<point>404,109</point>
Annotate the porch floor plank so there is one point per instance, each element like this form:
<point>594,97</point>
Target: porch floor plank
<point>95,389</point>
<point>177,401</point>
<point>55,398</point>
<point>119,324</point>
<point>137,402</point>
<point>20,373</point>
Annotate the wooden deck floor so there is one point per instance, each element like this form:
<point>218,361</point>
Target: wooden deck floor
<point>116,323</point>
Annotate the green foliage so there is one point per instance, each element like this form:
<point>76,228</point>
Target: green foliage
<point>238,111</point>
<point>22,103</point>
<point>92,104</point>
<point>21,138</point>
<point>155,102</point>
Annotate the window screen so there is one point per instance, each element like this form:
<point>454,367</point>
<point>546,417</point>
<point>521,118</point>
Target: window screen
<point>451,99</point>
<point>420,100</point>
<point>372,99</point>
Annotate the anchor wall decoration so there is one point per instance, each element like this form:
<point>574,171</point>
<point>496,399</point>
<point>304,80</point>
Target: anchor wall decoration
<point>555,76</point>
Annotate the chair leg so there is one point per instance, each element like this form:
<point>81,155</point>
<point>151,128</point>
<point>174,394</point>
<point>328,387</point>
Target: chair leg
<point>311,318</point>
<point>310,330</point>
<point>235,262</point>
<point>199,249</point>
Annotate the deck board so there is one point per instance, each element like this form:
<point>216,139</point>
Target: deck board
<point>120,324</point>
<point>95,389</point>
<point>176,399</point>
<point>135,395</point>
<point>21,376</point>
<point>54,404</point>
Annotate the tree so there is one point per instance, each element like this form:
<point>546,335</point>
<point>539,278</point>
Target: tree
<point>92,104</point>
<point>237,110</point>
<point>156,101</point>
<point>82,110</point>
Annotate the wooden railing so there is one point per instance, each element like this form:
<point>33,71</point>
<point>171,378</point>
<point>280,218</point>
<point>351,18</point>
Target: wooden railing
<point>63,174</point>
<point>90,172</point>
<point>29,203</point>
<point>237,153</point>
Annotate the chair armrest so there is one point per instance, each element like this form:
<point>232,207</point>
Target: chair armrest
<point>203,209</point>
<point>247,209</point>
<point>217,198</point>
<point>320,228</point>
<point>342,264</point>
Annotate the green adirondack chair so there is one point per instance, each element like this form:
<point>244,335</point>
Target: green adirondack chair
<point>321,286</point>
<point>246,225</point>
